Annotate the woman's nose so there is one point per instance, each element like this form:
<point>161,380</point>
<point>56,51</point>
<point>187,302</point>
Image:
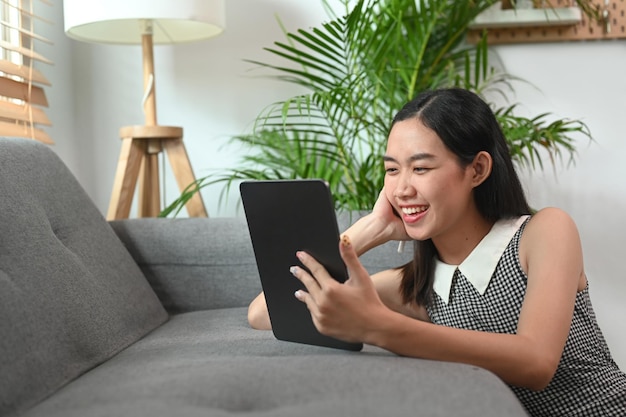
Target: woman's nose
<point>404,188</point>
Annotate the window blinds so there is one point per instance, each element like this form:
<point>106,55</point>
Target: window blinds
<point>22,95</point>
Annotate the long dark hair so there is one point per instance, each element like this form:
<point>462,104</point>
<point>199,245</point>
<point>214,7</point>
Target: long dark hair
<point>467,126</point>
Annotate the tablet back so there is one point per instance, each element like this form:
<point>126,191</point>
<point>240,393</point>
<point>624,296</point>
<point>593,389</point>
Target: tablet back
<point>285,216</point>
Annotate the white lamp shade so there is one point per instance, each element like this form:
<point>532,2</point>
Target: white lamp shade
<point>120,21</point>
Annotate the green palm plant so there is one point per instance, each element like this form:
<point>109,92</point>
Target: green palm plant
<point>356,71</point>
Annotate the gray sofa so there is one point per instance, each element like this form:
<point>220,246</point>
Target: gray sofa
<point>147,317</point>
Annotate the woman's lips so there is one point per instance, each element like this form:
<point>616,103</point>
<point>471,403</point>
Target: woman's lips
<point>412,214</point>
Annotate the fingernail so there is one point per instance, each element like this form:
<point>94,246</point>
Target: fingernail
<point>293,270</point>
<point>299,254</point>
<point>345,241</point>
<point>298,294</point>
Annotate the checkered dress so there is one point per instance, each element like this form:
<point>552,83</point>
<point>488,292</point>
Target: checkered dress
<point>587,381</point>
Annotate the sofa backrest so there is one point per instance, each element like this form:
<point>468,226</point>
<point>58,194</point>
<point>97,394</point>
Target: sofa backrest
<point>208,263</point>
<point>70,294</point>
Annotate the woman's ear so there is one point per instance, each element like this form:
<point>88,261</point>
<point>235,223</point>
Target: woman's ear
<point>481,167</point>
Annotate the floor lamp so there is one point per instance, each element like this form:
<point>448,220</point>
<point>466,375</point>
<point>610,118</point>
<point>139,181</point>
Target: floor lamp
<point>146,22</point>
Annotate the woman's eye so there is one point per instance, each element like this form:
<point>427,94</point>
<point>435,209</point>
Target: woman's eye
<point>420,170</point>
<point>390,170</point>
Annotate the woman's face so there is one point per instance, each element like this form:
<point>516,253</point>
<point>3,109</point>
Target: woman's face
<point>425,182</point>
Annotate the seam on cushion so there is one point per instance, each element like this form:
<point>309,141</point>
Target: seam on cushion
<point>195,264</point>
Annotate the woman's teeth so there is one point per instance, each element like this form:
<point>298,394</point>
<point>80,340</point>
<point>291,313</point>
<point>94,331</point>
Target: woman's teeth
<point>413,210</point>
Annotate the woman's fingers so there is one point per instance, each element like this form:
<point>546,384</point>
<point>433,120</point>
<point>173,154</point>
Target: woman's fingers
<point>307,279</point>
<point>312,287</point>
<point>356,270</point>
<point>318,278</point>
<point>317,271</point>
<point>306,298</point>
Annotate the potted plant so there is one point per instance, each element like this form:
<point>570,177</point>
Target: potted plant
<point>356,71</point>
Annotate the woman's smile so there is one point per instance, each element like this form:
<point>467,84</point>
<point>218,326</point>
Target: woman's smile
<point>412,214</point>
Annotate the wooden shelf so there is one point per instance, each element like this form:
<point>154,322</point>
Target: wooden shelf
<point>612,27</point>
<point>496,17</point>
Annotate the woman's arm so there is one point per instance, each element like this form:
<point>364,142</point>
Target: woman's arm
<point>258,317</point>
<point>376,228</point>
<point>551,254</point>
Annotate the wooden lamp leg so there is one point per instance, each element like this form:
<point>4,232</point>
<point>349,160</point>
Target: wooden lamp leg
<point>128,166</point>
<point>149,186</point>
<point>138,162</point>
<point>181,167</point>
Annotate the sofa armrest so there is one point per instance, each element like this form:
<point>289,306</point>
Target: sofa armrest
<point>196,263</point>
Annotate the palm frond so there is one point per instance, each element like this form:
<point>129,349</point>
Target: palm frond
<point>355,71</point>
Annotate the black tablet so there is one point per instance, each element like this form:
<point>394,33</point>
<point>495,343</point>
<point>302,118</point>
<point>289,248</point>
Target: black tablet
<point>285,216</point>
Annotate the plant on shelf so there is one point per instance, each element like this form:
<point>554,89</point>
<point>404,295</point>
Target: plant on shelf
<point>355,72</point>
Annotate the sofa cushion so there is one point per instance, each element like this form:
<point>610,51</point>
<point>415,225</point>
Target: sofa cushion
<point>71,296</point>
<point>210,363</point>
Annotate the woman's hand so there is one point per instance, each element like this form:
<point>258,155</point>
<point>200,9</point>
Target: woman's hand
<point>345,311</point>
<point>378,227</point>
<point>387,214</point>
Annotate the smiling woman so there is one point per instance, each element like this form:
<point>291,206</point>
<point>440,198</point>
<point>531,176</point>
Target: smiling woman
<point>486,274</point>
<point>472,162</point>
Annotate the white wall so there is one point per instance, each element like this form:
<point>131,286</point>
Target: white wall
<point>208,89</point>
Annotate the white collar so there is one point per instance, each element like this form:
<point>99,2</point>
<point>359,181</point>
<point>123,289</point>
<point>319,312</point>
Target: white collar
<point>481,263</point>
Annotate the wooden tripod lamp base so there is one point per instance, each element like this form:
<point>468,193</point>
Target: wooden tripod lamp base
<point>138,162</point>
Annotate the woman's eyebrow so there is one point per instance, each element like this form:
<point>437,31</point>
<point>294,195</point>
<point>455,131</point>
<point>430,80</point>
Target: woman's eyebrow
<point>415,157</point>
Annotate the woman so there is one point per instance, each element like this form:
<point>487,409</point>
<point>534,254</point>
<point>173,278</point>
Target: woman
<point>489,285</point>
